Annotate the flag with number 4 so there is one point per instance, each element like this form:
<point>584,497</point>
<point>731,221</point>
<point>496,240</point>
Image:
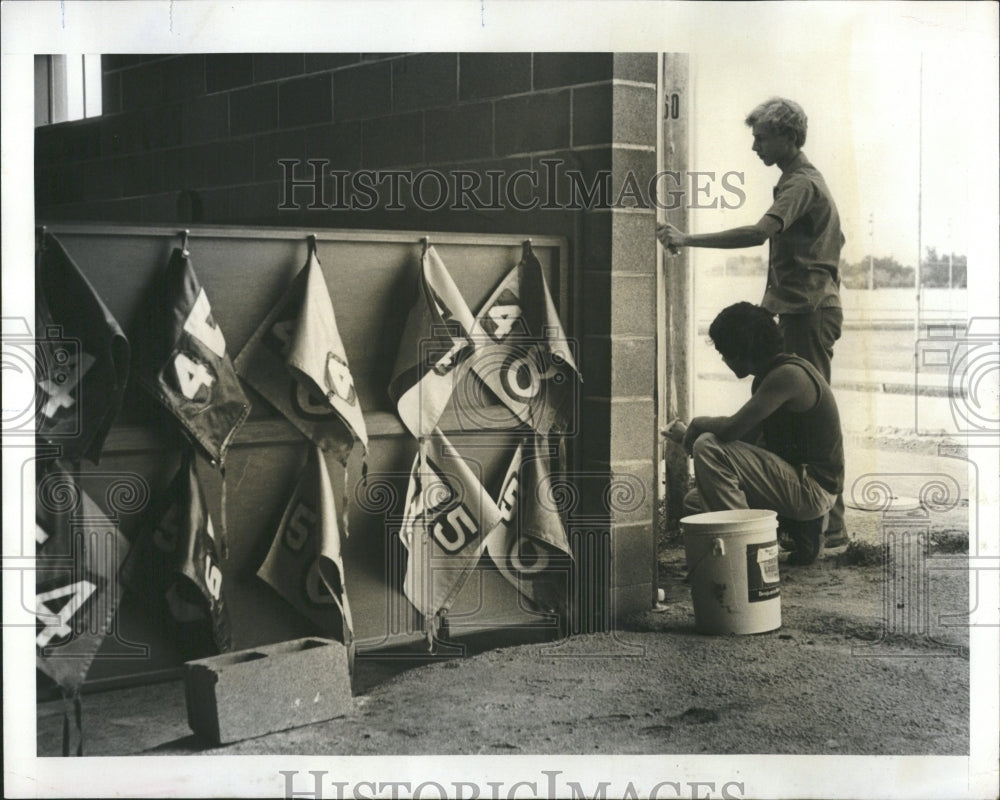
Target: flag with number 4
<point>174,566</point>
<point>304,564</point>
<point>79,552</point>
<point>82,357</point>
<point>435,341</point>
<point>297,361</point>
<point>521,352</point>
<point>182,360</point>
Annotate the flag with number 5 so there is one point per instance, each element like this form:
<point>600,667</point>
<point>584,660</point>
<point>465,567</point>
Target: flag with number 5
<point>174,566</point>
<point>304,564</point>
<point>181,359</point>
<point>297,361</point>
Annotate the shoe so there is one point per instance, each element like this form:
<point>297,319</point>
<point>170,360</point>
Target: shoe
<point>836,538</point>
<point>807,536</point>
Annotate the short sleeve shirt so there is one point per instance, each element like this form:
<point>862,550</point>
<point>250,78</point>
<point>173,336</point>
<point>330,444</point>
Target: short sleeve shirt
<point>803,272</point>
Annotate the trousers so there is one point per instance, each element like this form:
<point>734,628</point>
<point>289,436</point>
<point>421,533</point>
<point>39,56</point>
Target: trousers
<point>730,475</point>
<point>812,337</point>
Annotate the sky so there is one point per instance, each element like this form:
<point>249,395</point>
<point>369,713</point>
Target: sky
<point>866,134</point>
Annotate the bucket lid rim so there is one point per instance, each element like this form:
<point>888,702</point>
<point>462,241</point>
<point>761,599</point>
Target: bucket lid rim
<point>729,518</point>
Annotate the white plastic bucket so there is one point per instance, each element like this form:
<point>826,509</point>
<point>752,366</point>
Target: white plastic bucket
<point>732,562</point>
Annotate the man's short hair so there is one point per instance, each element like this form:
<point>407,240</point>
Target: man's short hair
<point>784,117</point>
<point>745,331</point>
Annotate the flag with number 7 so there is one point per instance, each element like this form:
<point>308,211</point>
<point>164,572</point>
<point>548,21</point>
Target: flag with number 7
<point>181,359</point>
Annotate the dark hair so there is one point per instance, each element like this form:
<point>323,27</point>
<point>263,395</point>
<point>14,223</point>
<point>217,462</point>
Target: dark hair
<point>746,331</point>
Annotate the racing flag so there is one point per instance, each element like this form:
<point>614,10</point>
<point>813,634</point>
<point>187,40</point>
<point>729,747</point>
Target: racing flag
<point>447,517</point>
<point>529,546</point>
<point>174,565</point>
<point>297,361</point>
<point>304,564</point>
<point>521,351</point>
<point>181,359</point>
<point>79,552</point>
<point>435,341</point>
<point>82,357</point>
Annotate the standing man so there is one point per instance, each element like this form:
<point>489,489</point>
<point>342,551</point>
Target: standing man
<point>803,228</point>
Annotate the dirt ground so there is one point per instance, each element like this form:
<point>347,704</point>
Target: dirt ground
<point>863,664</point>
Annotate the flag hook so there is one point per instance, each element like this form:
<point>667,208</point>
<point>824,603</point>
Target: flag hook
<point>311,240</point>
<point>184,242</point>
<point>526,248</point>
<point>426,241</point>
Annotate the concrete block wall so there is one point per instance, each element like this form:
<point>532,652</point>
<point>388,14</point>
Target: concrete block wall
<point>196,138</point>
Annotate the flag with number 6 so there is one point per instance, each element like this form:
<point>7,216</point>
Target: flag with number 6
<point>297,361</point>
<point>174,565</point>
<point>521,352</point>
<point>530,547</point>
<point>304,564</point>
<point>82,357</point>
<point>181,359</point>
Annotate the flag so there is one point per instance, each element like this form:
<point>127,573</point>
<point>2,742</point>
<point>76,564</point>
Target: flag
<point>529,546</point>
<point>82,357</point>
<point>174,565</point>
<point>79,553</point>
<point>181,359</point>
<point>521,352</point>
<point>435,341</point>
<point>447,517</point>
<point>297,361</point>
<point>304,564</point>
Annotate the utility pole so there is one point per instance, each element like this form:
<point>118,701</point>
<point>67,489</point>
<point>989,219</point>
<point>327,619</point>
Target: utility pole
<point>871,251</point>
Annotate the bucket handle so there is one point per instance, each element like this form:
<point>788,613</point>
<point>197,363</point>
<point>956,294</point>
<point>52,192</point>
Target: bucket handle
<point>718,549</point>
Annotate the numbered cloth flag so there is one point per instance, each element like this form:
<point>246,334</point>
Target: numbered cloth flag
<point>79,553</point>
<point>174,565</point>
<point>82,357</point>
<point>181,359</point>
<point>304,564</point>
<point>522,353</point>
<point>434,342</point>
<point>529,546</point>
<point>297,361</point>
<point>447,517</point>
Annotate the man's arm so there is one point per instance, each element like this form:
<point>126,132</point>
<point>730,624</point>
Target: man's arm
<point>744,236</point>
<point>780,386</point>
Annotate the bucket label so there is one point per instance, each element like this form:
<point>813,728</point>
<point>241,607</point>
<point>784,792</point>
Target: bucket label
<point>762,572</point>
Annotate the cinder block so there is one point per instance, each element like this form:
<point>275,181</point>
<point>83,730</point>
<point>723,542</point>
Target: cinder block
<point>248,693</point>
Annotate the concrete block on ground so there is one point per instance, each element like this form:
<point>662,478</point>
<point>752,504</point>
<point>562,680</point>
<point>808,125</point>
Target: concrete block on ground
<point>249,693</point>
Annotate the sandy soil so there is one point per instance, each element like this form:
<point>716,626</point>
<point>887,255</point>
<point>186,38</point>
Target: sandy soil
<point>862,664</point>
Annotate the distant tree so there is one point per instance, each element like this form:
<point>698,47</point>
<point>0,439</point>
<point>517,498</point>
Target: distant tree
<point>934,269</point>
<point>888,273</point>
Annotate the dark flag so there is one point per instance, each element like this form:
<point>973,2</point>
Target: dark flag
<point>181,359</point>
<point>521,352</point>
<point>529,546</point>
<point>447,518</point>
<point>82,357</point>
<point>434,342</point>
<point>79,553</point>
<point>174,566</point>
<point>304,564</point>
<point>297,361</point>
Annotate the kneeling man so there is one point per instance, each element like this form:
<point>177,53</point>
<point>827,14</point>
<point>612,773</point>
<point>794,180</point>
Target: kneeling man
<point>782,450</point>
